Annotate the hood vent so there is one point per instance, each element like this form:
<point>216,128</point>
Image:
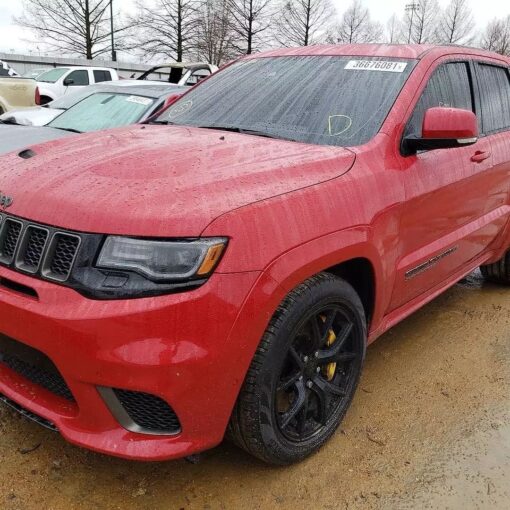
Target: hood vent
<point>27,154</point>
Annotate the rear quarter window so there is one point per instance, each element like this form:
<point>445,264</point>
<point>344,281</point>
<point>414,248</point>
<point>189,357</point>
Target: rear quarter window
<point>495,97</point>
<point>100,76</point>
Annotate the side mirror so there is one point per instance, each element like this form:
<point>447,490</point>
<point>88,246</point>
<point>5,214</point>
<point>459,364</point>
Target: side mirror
<point>68,81</point>
<point>444,128</point>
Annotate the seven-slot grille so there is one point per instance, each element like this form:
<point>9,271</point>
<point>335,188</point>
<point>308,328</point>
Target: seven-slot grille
<point>36,249</point>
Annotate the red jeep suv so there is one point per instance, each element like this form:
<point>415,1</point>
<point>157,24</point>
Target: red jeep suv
<point>223,268</point>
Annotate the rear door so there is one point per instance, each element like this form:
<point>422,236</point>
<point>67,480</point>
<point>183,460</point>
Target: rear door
<point>494,87</point>
<point>452,195</point>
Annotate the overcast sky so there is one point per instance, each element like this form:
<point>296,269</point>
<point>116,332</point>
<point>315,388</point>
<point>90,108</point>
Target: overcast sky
<point>12,37</point>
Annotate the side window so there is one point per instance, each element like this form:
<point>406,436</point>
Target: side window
<point>495,97</point>
<point>449,86</point>
<point>100,76</point>
<point>80,78</point>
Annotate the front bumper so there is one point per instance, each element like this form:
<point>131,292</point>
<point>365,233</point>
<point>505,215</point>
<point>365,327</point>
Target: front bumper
<point>174,347</point>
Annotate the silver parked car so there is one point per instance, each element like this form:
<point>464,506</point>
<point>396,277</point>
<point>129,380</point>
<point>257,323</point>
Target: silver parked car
<point>103,107</point>
<point>42,115</point>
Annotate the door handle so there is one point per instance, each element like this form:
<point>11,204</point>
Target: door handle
<point>480,156</point>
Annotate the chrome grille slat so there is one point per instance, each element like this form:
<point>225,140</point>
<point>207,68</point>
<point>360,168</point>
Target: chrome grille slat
<point>37,249</point>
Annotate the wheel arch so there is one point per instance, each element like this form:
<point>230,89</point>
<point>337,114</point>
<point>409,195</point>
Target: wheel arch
<point>359,273</point>
<point>45,99</point>
<point>348,254</point>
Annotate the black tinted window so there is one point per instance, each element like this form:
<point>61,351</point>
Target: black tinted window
<point>449,86</point>
<point>79,78</point>
<point>322,100</point>
<point>100,76</point>
<point>495,97</point>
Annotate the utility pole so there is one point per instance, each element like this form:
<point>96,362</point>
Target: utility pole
<point>114,53</point>
<point>412,8</point>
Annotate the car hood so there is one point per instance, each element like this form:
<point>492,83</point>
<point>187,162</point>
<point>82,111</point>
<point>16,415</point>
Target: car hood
<point>38,116</point>
<point>159,180</point>
<point>17,138</point>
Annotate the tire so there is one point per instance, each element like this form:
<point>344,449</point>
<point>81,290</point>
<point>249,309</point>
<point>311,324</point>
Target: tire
<point>319,321</point>
<point>499,272</point>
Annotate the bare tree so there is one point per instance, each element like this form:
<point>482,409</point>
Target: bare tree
<point>250,20</point>
<point>496,36</point>
<point>421,21</point>
<point>457,24</point>
<point>75,27</point>
<point>393,30</point>
<point>214,33</point>
<point>357,27</point>
<point>166,28</point>
<point>303,22</point>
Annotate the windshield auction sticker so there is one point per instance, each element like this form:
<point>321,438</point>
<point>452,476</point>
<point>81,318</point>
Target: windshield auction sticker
<point>139,100</point>
<point>376,65</point>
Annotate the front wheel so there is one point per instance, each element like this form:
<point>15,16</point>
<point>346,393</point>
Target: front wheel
<point>499,272</point>
<point>304,374</point>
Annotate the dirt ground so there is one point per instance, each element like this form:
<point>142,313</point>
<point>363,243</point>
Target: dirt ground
<point>429,428</point>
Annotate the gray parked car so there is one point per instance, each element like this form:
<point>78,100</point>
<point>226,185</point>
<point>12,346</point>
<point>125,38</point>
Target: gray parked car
<point>108,106</point>
<point>42,115</point>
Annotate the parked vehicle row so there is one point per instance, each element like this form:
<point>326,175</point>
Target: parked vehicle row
<point>221,268</point>
<point>93,108</point>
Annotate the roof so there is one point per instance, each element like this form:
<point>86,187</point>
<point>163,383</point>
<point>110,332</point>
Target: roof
<point>70,66</point>
<point>182,65</point>
<point>406,51</point>
<point>139,88</point>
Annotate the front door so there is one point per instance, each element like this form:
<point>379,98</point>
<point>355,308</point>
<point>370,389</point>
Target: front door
<point>450,214</point>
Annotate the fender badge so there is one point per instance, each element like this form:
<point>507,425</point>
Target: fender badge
<point>5,201</point>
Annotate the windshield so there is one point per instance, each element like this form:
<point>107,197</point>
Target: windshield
<point>53,75</point>
<point>34,73</point>
<point>323,100</point>
<point>103,110</point>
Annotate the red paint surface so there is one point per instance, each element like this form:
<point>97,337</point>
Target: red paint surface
<point>290,210</point>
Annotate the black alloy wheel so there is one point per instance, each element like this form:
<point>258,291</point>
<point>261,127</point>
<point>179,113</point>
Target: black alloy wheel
<point>304,373</point>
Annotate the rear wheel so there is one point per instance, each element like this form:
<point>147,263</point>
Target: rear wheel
<point>304,373</point>
<point>499,272</point>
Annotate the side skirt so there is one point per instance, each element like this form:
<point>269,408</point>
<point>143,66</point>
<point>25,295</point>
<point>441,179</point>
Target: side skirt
<point>409,308</point>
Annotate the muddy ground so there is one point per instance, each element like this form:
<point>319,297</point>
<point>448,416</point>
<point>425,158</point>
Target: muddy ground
<point>429,428</point>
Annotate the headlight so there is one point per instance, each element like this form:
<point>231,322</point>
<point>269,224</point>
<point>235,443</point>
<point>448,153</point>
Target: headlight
<point>162,260</point>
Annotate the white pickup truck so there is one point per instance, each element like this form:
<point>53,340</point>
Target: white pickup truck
<point>16,92</point>
<point>59,81</point>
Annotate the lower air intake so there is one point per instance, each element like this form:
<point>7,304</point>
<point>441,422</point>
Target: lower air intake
<point>149,412</point>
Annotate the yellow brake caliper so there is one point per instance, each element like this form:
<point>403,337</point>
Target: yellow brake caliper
<point>328,371</point>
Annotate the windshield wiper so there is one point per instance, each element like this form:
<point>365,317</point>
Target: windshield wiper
<point>71,130</point>
<point>244,131</point>
<point>162,122</point>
